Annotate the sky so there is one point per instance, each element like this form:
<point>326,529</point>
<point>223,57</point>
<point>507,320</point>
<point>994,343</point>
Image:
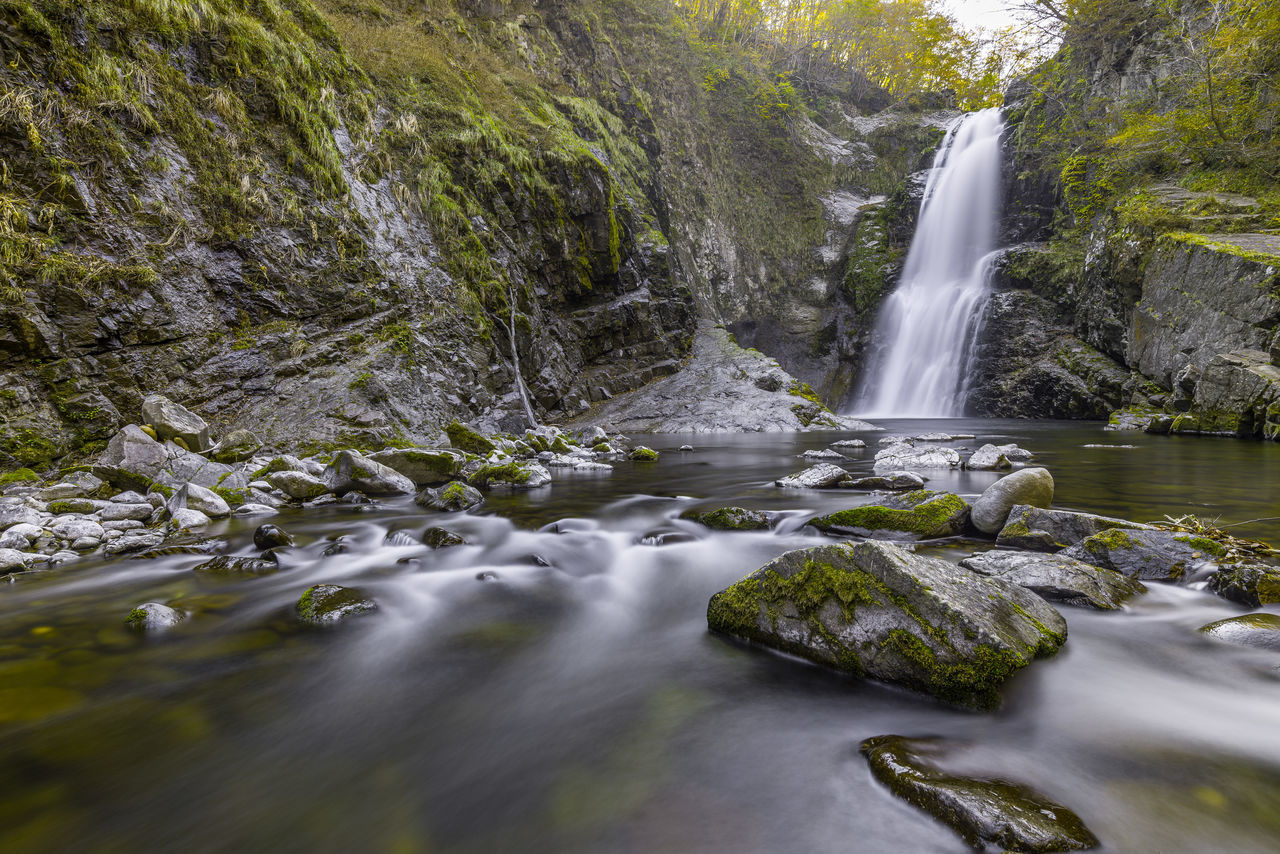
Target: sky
<point>982,13</point>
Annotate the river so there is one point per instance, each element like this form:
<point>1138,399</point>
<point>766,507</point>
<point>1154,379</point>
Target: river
<point>582,705</point>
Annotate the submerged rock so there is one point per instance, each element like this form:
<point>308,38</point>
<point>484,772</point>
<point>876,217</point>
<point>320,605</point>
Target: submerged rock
<point>876,610</point>
<point>988,458</point>
<point>729,519</point>
<point>924,513</point>
<point>443,538</point>
<point>454,498</point>
<point>271,537</point>
<point>1032,487</point>
<point>983,812</point>
<point>173,421</point>
<point>1252,585</point>
<point>1044,530</point>
<point>849,444</point>
<point>1058,578</point>
<point>329,604</point>
<point>1260,631</point>
<point>1151,555</point>
<point>822,454</point>
<point>353,472</point>
<point>153,617</point>
<point>820,476</point>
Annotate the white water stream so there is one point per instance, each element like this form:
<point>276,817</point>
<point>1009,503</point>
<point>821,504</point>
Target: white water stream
<point>926,327</point>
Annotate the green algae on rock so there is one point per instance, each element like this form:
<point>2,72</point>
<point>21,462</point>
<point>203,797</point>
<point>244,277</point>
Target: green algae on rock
<point>873,609</point>
<point>329,604</point>
<point>983,812</point>
<point>453,498</point>
<point>1260,631</point>
<point>1151,555</point>
<point>1252,585</point>
<point>729,519</point>
<point>1047,530</point>
<point>464,438</point>
<point>926,514</point>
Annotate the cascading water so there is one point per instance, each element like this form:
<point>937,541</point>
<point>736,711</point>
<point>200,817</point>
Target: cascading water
<point>927,326</point>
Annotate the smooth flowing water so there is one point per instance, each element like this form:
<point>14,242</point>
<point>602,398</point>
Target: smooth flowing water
<point>581,705</point>
<point>927,325</point>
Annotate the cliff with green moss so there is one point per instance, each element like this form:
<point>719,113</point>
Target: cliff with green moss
<point>338,221</point>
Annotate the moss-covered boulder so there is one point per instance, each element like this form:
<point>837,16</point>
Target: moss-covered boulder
<point>516,474</point>
<point>153,617</point>
<point>1032,487</point>
<point>984,812</point>
<point>1151,555</point>
<point>329,604</point>
<point>423,466</point>
<point>351,471</point>
<point>298,485</point>
<point>1252,585</point>
<point>453,498</point>
<point>1260,631</point>
<point>729,519</point>
<point>464,438</point>
<point>1059,579</point>
<point>641,454</point>
<point>1045,530</point>
<point>922,514</point>
<point>442,538</point>
<point>875,610</point>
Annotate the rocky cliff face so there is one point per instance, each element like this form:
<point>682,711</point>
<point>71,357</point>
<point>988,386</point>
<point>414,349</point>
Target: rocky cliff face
<point>351,223</point>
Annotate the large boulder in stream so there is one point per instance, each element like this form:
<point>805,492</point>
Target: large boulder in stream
<point>1151,555</point>
<point>1260,631</point>
<point>876,610</point>
<point>923,514</point>
<point>351,471</point>
<point>907,457</point>
<point>1033,487</point>
<point>820,476</point>
<point>1044,530</point>
<point>984,812</point>
<point>729,519</point>
<point>1251,584</point>
<point>425,467</point>
<point>452,498</point>
<point>1058,578</point>
<point>329,605</point>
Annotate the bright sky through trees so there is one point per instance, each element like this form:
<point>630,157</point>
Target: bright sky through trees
<point>992,14</point>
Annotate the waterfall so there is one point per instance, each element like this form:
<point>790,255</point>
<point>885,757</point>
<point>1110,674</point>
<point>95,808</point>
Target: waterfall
<point>927,326</point>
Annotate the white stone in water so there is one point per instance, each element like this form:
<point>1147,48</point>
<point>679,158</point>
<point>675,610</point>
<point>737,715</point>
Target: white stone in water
<point>849,444</point>
<point>815,477</point>
<point>185,519</point>
<point>822,455</point>
<point>901,457</point>
<point>988,458</point>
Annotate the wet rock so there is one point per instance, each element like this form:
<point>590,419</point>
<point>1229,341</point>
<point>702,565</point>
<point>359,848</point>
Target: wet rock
<point>339,546</point>
<point>271,537</point>
<point>442,538</point>
<point>423,467</point>
<point>172,421</point>
<point>226,565</point>
<point>1251,585</point>
<point>86,544</point>
<point>729,519</point>
<point>488,575</point>
<point>25,532</point>
<point>876,610</point>
<point>134,541</point>
<point>686,448</point>
<point>454,498</point>
<point>1032,487</point>
<point>910,458</point>
<point>153,617</point>
<point>255,510</point>
<point>820,476</point>
<point>1150,555</point>
<point>352,472</point>
<point>822,455</point>
<point>400,538</point>
<point>1046,530</point>
<point>187,519</point>
<point>465,439</point>
<point>923,514</point>
<point>1014,454</point>
<point>299,486</point>
<point>1260,631</point>
<point>12,560</point>
<point>849,444</point>
<point>236,447</point>
<point>893,480</point>
<point>516,474</point>
<point>1058,578</point>
<point>983,812</point>
<point>988,458</point>
<point>641,454</point>
<point>329,604</point>
<point>207,501</point>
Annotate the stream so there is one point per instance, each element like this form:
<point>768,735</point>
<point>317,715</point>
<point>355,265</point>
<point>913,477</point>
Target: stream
<point>552,687</point>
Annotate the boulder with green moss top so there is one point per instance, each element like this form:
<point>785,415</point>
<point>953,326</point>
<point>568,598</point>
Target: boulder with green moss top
<point>298,485</point>
<point>1059,579</point>
<point>1151,555</point>
<point>1044,530</point>
<point>1260,631</point>
<point>442,538</point>
<point>1032,487</point>
<point>984,812</point>
<point>641,454</point>
<point>1252,585</point>
<point>516,474</point>
<point>729,519</point>
<point>453,498</point>
<point>329,604</point>
<point>22,475</point>
<point>236,447</point>
<point>922,514</point>
<point>464,438</point>
<point>73,505</point>
<point>876,610</point>
<point>174,421</point>
<point>153,617</point>
<point>423,466</point>
<point>351,471</point>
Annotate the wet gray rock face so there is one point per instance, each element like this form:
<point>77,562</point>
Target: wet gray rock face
<point>1047,530</point>
<point>1251,585</point>
<point>12,560</point>
<point>730,519</point>
<point>1032,486</point>
<point>984,812</point>
<point>820,476</point>
<point>425,467</point>
<point>329,604</point>
<point>988,458</point>
<point>225,565</point>
<point>892,480</point>
<point>298,485</point>
<point>442,538</point>
<point>171,421</point>
<point>1059,579</point>
<point>876,610</point>
<point>1260,631</point>
<point>1150,555</point>
<point>907,457</point>
<point>454,498</point>
<point>154,617</point>
<point>351,471</point>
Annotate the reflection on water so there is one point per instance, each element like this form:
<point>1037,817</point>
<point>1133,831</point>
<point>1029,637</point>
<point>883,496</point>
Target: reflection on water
<point>577,703</point>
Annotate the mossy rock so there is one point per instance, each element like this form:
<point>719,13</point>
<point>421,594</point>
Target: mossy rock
<point>442,538</point>
<point>641,454</point>
<point>1048,530</point>
<point>984,812</point>
<point>464,438</point>
<point>231,567</point>
<point>1260,631</point>
<point>923,513</point>
<point>515,474</point>
<point>873,609</point>
<point>456,497</point>
<point>22,475</point>
<point>730,519</point>
<point>71,505</point>
<point>329,604</point>
<point>154,617</point>
<point>1150,555</point>
<point>1251,585</point>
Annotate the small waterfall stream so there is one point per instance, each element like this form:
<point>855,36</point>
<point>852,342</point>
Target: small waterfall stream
<point>927,325</point>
